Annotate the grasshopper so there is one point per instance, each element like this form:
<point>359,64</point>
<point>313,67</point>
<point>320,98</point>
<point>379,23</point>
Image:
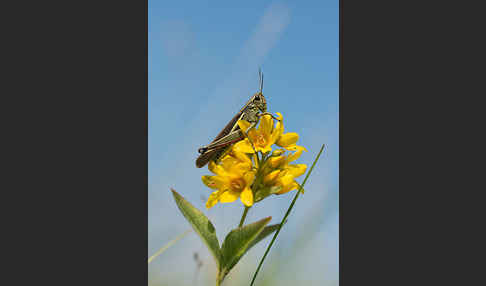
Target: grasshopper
<point>231,133</point>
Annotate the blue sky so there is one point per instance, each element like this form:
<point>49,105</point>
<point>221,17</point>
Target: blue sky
<point>203,66</point>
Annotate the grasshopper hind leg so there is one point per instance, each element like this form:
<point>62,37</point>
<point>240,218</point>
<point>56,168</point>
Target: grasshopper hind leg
<point>202,150</point>
<point>210,155</point>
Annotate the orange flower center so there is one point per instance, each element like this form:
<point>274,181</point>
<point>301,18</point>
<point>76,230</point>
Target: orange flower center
<point>261,140</point>
<point>237,184</point>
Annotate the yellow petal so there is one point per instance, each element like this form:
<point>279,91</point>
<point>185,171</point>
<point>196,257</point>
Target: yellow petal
<point>293,157</point>
<point>249,177</point>
<point>242,157</point>
<point>296,155</point>
<point>252,133</point>
<point>278,152</point>
<point>243,146</point>
<point>229,161</point>
<point>288,139</point>
<point>210,182</point>
<point>277,132</point>
<point>290,187</point>
<point>217,169</point>
<point>295,148</point>
<point>266,125</point>
<point>280,125</point>
<point>286,180</point>
<point>229,196</point>
<point>246,197</point>
<point>265,149</point>
<point>212,200</point>
<point>294,186</point>
<point>276,161</point>
<point>301,148</point>
<point>244,125</point>
<point>272,139</point>
<point>238,169</point>
<point>297,170</point>
<point>269,178</point>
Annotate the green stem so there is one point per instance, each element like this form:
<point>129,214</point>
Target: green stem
<point>243,216</point>
<point>285,217</point>
<point>169,244</point>
<point>219,278</point>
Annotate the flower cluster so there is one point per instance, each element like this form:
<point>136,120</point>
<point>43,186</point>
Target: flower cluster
<point>251,171</point>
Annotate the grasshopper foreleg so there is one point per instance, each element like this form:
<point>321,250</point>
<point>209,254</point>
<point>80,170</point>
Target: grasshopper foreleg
<point>252,125</point>
<point>267,113</point>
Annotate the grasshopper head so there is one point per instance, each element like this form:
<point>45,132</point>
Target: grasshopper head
<point>260,101</point>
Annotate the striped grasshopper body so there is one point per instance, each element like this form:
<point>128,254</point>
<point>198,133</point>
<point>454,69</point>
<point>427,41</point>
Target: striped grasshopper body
<point>231,133</point>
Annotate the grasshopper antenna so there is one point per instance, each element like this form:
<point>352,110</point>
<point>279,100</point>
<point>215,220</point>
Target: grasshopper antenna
<point>260,74</point>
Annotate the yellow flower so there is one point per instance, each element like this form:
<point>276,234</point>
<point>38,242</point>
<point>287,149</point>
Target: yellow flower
<point>287,140</point>
<point>286,178</point>
<point>280,173</point>
<point>242,174</point>
<point>233,180</point>
<point>280,161</point>
<point>262,137</point>
<point>235,157</point>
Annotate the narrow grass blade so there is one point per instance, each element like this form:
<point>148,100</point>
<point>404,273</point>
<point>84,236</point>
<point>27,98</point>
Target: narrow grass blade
<point>286,215</point>
<point>169,244</point>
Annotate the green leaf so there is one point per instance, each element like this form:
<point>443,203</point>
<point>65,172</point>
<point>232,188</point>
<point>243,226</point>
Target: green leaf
<point>201,225</point>
<point>237,243</point>
<point>265,232</point>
